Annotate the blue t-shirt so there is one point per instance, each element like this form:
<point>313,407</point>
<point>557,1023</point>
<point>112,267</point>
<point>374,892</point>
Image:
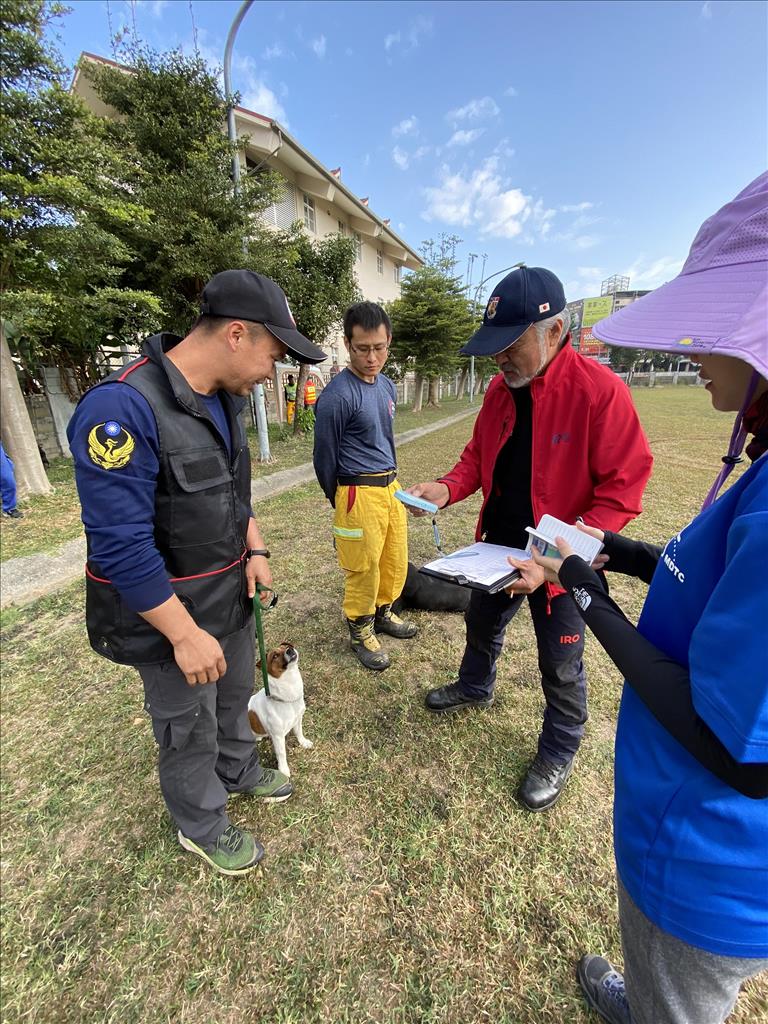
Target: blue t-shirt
<point>354,431</point>
<point>118,503</point>
<point>691,851</point>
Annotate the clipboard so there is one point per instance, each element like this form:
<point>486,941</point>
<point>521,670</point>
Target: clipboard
<point>479,566</point>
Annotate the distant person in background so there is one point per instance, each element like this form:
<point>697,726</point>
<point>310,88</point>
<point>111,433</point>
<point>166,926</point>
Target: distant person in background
<point>691,774</point>
<point>334,369</point>
<point>290,398</point>
<point>310,393</point>
<point>355,465</point>
<point>8,483</point>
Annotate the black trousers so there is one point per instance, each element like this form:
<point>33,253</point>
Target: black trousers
<point>560,641</point>
<point>206,747</point>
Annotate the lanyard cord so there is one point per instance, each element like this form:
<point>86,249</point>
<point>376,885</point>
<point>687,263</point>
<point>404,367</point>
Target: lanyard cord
<point>257,610</point>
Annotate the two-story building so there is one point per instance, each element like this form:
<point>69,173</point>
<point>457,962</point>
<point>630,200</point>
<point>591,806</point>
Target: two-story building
<point>310,193</point>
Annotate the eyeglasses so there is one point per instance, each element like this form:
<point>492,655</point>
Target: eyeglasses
<point>378,350</point>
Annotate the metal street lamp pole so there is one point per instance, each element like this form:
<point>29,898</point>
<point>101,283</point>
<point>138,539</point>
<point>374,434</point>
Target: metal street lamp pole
<point>261,411</point>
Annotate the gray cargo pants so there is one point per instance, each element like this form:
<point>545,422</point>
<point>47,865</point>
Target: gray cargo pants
<point>206,747</point>
<point>670,982</point>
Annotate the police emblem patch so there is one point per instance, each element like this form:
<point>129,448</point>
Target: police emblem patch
<point>110,446</point>
<point>490,309</point>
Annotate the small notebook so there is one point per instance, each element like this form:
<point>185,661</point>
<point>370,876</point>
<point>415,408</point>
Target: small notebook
<point>480,566</point>
<point>543,539</point>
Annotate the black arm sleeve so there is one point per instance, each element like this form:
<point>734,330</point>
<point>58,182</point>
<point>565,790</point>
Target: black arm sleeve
<point>663,685</point>
<point>631,557</point>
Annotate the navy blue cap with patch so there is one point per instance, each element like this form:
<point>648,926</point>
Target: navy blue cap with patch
<point>522,298</point>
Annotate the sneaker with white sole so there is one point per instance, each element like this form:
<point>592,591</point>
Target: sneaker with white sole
<point>603,989</point>
<point>273,787</point>
<point>234,853</point>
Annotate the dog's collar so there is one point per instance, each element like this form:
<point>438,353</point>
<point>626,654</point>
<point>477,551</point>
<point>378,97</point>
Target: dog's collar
<point>282,700</point>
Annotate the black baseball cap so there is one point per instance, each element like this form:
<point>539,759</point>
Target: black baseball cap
<point>245,295</point>
<point>522,298</point>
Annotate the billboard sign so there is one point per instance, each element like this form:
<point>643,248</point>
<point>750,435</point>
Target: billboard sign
<point>575,309</point>
<point>596,309</point>
<point>589,345</point>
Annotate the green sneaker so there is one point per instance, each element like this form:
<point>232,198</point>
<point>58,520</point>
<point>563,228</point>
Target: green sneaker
<point>273,788</point>
<point>234,853</point>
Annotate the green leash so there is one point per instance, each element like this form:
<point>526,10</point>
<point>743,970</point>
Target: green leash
<point>257,610</point>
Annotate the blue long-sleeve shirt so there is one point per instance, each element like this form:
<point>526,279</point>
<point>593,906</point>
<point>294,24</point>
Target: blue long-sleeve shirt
<point>354,430</point>
<point>118,504</point>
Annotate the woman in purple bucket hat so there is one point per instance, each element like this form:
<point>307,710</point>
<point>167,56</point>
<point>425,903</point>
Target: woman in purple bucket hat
<point>691,776</point>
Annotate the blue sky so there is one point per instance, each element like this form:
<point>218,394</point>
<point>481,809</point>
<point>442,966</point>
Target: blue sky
<point>591,138</point>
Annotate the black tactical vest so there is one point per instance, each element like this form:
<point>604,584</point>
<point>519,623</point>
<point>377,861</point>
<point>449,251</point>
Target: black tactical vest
<point>202,508</point>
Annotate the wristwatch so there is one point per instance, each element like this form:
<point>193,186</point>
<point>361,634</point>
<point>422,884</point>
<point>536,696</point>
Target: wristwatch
<point>253,552</point>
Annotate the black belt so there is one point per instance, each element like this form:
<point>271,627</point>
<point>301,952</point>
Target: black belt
<point>368,481</point>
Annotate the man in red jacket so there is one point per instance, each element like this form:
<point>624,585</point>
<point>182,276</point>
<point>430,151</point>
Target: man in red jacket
<point>557,433</point>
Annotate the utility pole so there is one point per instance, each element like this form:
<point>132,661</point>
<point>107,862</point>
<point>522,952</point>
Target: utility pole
<point>261,411</point>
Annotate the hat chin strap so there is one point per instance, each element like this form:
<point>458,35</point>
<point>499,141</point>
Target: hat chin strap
<point>738,437</point>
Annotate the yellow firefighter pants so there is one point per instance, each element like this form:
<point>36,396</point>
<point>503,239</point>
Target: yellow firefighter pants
<point>371,535</point>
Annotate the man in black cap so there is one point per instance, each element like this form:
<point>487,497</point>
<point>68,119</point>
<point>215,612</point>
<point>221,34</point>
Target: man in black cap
<point>174,553</point>
<point>557,433</point>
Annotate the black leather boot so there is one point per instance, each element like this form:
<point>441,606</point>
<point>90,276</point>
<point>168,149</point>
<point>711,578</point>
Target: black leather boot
<point>543,783</point>
<point>451,698</point>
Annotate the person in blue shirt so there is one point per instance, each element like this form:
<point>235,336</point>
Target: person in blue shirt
<point>174,553</point>
<point>8,484</point>
<point>691,774</point>
<point>355,464</point>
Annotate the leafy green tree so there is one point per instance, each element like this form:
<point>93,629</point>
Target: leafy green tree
<point>430,322</point>
<point>169,117</point>
<point>61,198</point>
<point>318,277</point>
<point>64,202</point>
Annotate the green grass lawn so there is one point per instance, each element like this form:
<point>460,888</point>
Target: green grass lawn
<point>52,520</point>
<point>402,883</point>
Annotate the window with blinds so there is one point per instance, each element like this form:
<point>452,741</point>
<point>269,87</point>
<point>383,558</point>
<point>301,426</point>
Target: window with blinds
<point>282,213</point>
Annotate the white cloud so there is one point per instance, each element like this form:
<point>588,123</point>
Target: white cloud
<point>576,207</point>
<point>408,126</point>
<point>408,40</point>
<point>255,94</point>
<point>318,46</point>
<point>511,91</point>
<point>481,200</point>
<point>421,152</point>
<point>156,7</point>
<point>400,157</point>
<point>367,160</point>
<point>259,98</point>
<point>273,52</point>
<point>475,110</point>
<point>586,283</point>
<point>464,138</point>
<point>706,9</point>
<point>643,274</point>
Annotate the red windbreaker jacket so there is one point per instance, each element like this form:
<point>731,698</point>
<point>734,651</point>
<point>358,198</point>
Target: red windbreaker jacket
<point>590,455</point>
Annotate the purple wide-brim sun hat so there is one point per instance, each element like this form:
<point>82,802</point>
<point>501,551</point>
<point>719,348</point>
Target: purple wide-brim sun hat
<point>718,303</point>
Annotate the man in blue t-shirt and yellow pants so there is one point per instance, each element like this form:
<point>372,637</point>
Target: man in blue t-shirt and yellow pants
<point>356,467</point>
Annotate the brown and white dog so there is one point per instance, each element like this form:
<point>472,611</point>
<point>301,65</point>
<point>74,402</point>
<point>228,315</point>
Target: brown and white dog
<point>283,710</point>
